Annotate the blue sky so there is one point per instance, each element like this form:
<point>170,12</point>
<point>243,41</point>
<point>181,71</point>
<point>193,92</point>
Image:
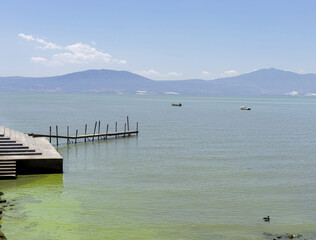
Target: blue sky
<point>162,40</point>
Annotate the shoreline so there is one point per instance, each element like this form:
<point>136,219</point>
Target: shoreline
<point>2,209</point>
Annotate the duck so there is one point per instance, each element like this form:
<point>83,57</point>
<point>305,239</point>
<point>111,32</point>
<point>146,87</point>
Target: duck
<point>266,219</point>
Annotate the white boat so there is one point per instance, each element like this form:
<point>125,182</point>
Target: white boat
<point>244,108</point>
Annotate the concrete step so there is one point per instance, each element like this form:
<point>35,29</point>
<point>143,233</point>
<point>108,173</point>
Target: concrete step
<point>7,176</point>
<point>16,150</point>
<point>7,167</point>
<point>7,141</point>
<point>14,147</point>
<point>4,138</point>
<point>8,172</point>
<point>20,153</point>
<point>7,162</point>
<point>10,144</point>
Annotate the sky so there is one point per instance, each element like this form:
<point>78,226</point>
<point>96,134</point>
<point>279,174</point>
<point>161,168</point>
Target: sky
<point>158,39</point>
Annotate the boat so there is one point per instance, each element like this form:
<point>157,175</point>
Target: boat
<point>244,108</point>
<point>176,104</point>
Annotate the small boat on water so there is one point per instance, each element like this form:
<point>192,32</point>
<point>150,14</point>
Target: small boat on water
<point>244,108</point>
<point>176,104</point>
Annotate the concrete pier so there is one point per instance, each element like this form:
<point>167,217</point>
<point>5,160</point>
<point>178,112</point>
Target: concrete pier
<point>24,154</point>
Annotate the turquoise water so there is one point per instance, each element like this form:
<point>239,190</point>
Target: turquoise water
<point>205,170</point>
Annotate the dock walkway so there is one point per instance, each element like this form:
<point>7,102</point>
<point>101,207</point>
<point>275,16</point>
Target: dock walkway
<point>88,136</point>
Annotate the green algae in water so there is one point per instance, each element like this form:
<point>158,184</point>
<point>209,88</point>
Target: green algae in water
<point>42,210</point>
<point>45,210</point>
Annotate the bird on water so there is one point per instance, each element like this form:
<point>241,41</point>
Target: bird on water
<point>266,219</point>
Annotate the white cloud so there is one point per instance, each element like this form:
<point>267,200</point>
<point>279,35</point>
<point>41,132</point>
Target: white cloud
<point>77,53</point>
<point>121,61</point>
<point>80,53</point>
<point>39,60</point>
<point>26,37</point>
<point>230,73</point>
<point>150,72</point>
<point>155,74</point>
<point>293,93</point>
<point>44,61</point>
<point>45,45</point>
<point>205,73</point>
<point>310,94</point>
<point>174,74</point>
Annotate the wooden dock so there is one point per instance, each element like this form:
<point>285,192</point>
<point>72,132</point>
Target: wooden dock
<point>86,137</point>
<point>89,137</point>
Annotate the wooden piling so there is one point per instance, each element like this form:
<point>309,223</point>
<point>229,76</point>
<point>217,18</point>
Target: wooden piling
<point>68,134</point>
<point>99,130</point>
<point>115,128</point>
<point>85,132</point>
<point>137,128</point>
<point>57,135</point>
<point>124,129</point>
<point>95,127</point>
<point>76,136</point>
<point>50,134</point>
<point>107,131</point>
<point>127,123</point>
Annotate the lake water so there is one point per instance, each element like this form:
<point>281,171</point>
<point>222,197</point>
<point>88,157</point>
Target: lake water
<point>206,170</point>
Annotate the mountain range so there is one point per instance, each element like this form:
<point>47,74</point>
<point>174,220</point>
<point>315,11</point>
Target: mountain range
<point>271,82</point>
